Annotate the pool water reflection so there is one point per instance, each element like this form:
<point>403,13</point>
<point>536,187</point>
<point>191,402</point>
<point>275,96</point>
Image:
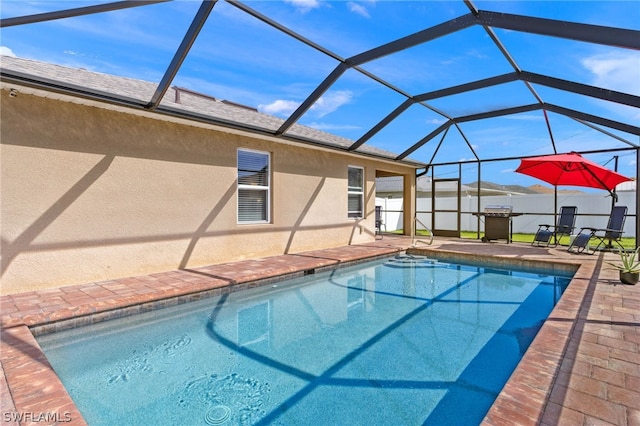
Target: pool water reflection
<point>405,340</point>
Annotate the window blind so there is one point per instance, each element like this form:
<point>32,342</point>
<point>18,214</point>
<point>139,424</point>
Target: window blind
<point>355,192</point>
<point>253,186</point>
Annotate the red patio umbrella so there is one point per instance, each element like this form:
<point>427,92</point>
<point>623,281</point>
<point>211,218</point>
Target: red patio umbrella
<point>571,170</point>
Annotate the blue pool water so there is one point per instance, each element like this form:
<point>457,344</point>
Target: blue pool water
<point>401,341</point>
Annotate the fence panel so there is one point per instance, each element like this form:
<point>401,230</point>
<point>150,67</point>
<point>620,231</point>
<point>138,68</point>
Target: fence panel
<point>593,210</point>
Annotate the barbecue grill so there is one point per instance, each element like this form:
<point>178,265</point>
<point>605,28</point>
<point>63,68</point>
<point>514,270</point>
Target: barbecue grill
<point>497,222</point>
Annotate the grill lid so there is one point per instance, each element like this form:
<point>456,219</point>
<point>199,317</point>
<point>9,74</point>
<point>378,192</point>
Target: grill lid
<point>497,209</point>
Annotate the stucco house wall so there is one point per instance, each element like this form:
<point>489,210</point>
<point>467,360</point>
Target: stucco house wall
<point>92,192</point>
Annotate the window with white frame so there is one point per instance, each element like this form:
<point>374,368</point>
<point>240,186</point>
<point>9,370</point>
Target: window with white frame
<point>254,190</point>
<point>355,192</point>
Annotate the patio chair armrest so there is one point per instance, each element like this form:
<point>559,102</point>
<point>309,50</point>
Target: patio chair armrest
<point>604,230</point>
<point>588,228</point>
<point>611,230</point>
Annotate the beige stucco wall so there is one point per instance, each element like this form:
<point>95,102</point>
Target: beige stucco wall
<point>91,193</point>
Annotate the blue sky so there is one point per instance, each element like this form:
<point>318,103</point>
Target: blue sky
<point>239,58</point>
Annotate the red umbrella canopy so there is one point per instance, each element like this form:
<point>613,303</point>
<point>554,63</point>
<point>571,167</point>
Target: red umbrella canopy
<point>571,170</point>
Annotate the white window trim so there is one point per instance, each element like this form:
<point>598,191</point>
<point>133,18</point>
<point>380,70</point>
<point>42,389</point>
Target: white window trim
<point>361,193</point>
<point>253,187</point>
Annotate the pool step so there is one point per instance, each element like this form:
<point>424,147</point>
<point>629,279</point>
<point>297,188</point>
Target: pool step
<point>414,261</point>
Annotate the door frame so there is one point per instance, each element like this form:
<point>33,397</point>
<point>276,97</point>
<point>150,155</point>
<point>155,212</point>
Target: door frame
<point>434,211</point>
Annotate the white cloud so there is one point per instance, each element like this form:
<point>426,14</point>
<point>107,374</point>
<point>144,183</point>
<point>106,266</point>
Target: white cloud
<point>279,107</point>
<point>358,9</point>
<point>436,121</point>
<point>475,53</point>
<point>304,6</point>
<point>328,126</point>
<point>327,104</point>
<point>616,70</point>
<point>331,101</point>
<point>4,50</point>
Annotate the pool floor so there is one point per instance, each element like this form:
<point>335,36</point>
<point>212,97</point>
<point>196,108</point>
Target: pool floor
<point>404,340</point>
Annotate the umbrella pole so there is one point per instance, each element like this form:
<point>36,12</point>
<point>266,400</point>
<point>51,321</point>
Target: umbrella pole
<point>555,212</point>
<point>614,196</point>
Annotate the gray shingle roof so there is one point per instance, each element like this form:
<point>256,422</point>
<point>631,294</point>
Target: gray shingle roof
<point>189,103</point>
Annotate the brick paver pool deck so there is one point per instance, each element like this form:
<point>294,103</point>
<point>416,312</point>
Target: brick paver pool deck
<point>582,368</point>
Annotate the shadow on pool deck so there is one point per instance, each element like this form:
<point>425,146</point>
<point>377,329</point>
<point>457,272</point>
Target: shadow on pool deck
<point>582,368</point>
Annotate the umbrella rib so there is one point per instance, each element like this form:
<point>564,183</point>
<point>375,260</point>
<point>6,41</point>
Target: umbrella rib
<point>604,186</point>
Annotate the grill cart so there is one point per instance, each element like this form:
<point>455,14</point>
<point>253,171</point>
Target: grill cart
<point>497,222</point>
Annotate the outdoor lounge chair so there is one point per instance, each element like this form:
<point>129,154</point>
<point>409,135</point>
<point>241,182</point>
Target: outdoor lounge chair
<point>565,226</point>
<point>613,232</point>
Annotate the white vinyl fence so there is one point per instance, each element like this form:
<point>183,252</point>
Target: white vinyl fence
<point>539,208</point>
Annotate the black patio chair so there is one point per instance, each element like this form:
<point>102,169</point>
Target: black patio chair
<point>565,226</point>
<point>613,232</point>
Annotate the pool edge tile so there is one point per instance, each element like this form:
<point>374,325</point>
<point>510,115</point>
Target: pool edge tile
<point>37,394</point>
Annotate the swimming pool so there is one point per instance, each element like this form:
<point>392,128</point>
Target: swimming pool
<point>405,340</point>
